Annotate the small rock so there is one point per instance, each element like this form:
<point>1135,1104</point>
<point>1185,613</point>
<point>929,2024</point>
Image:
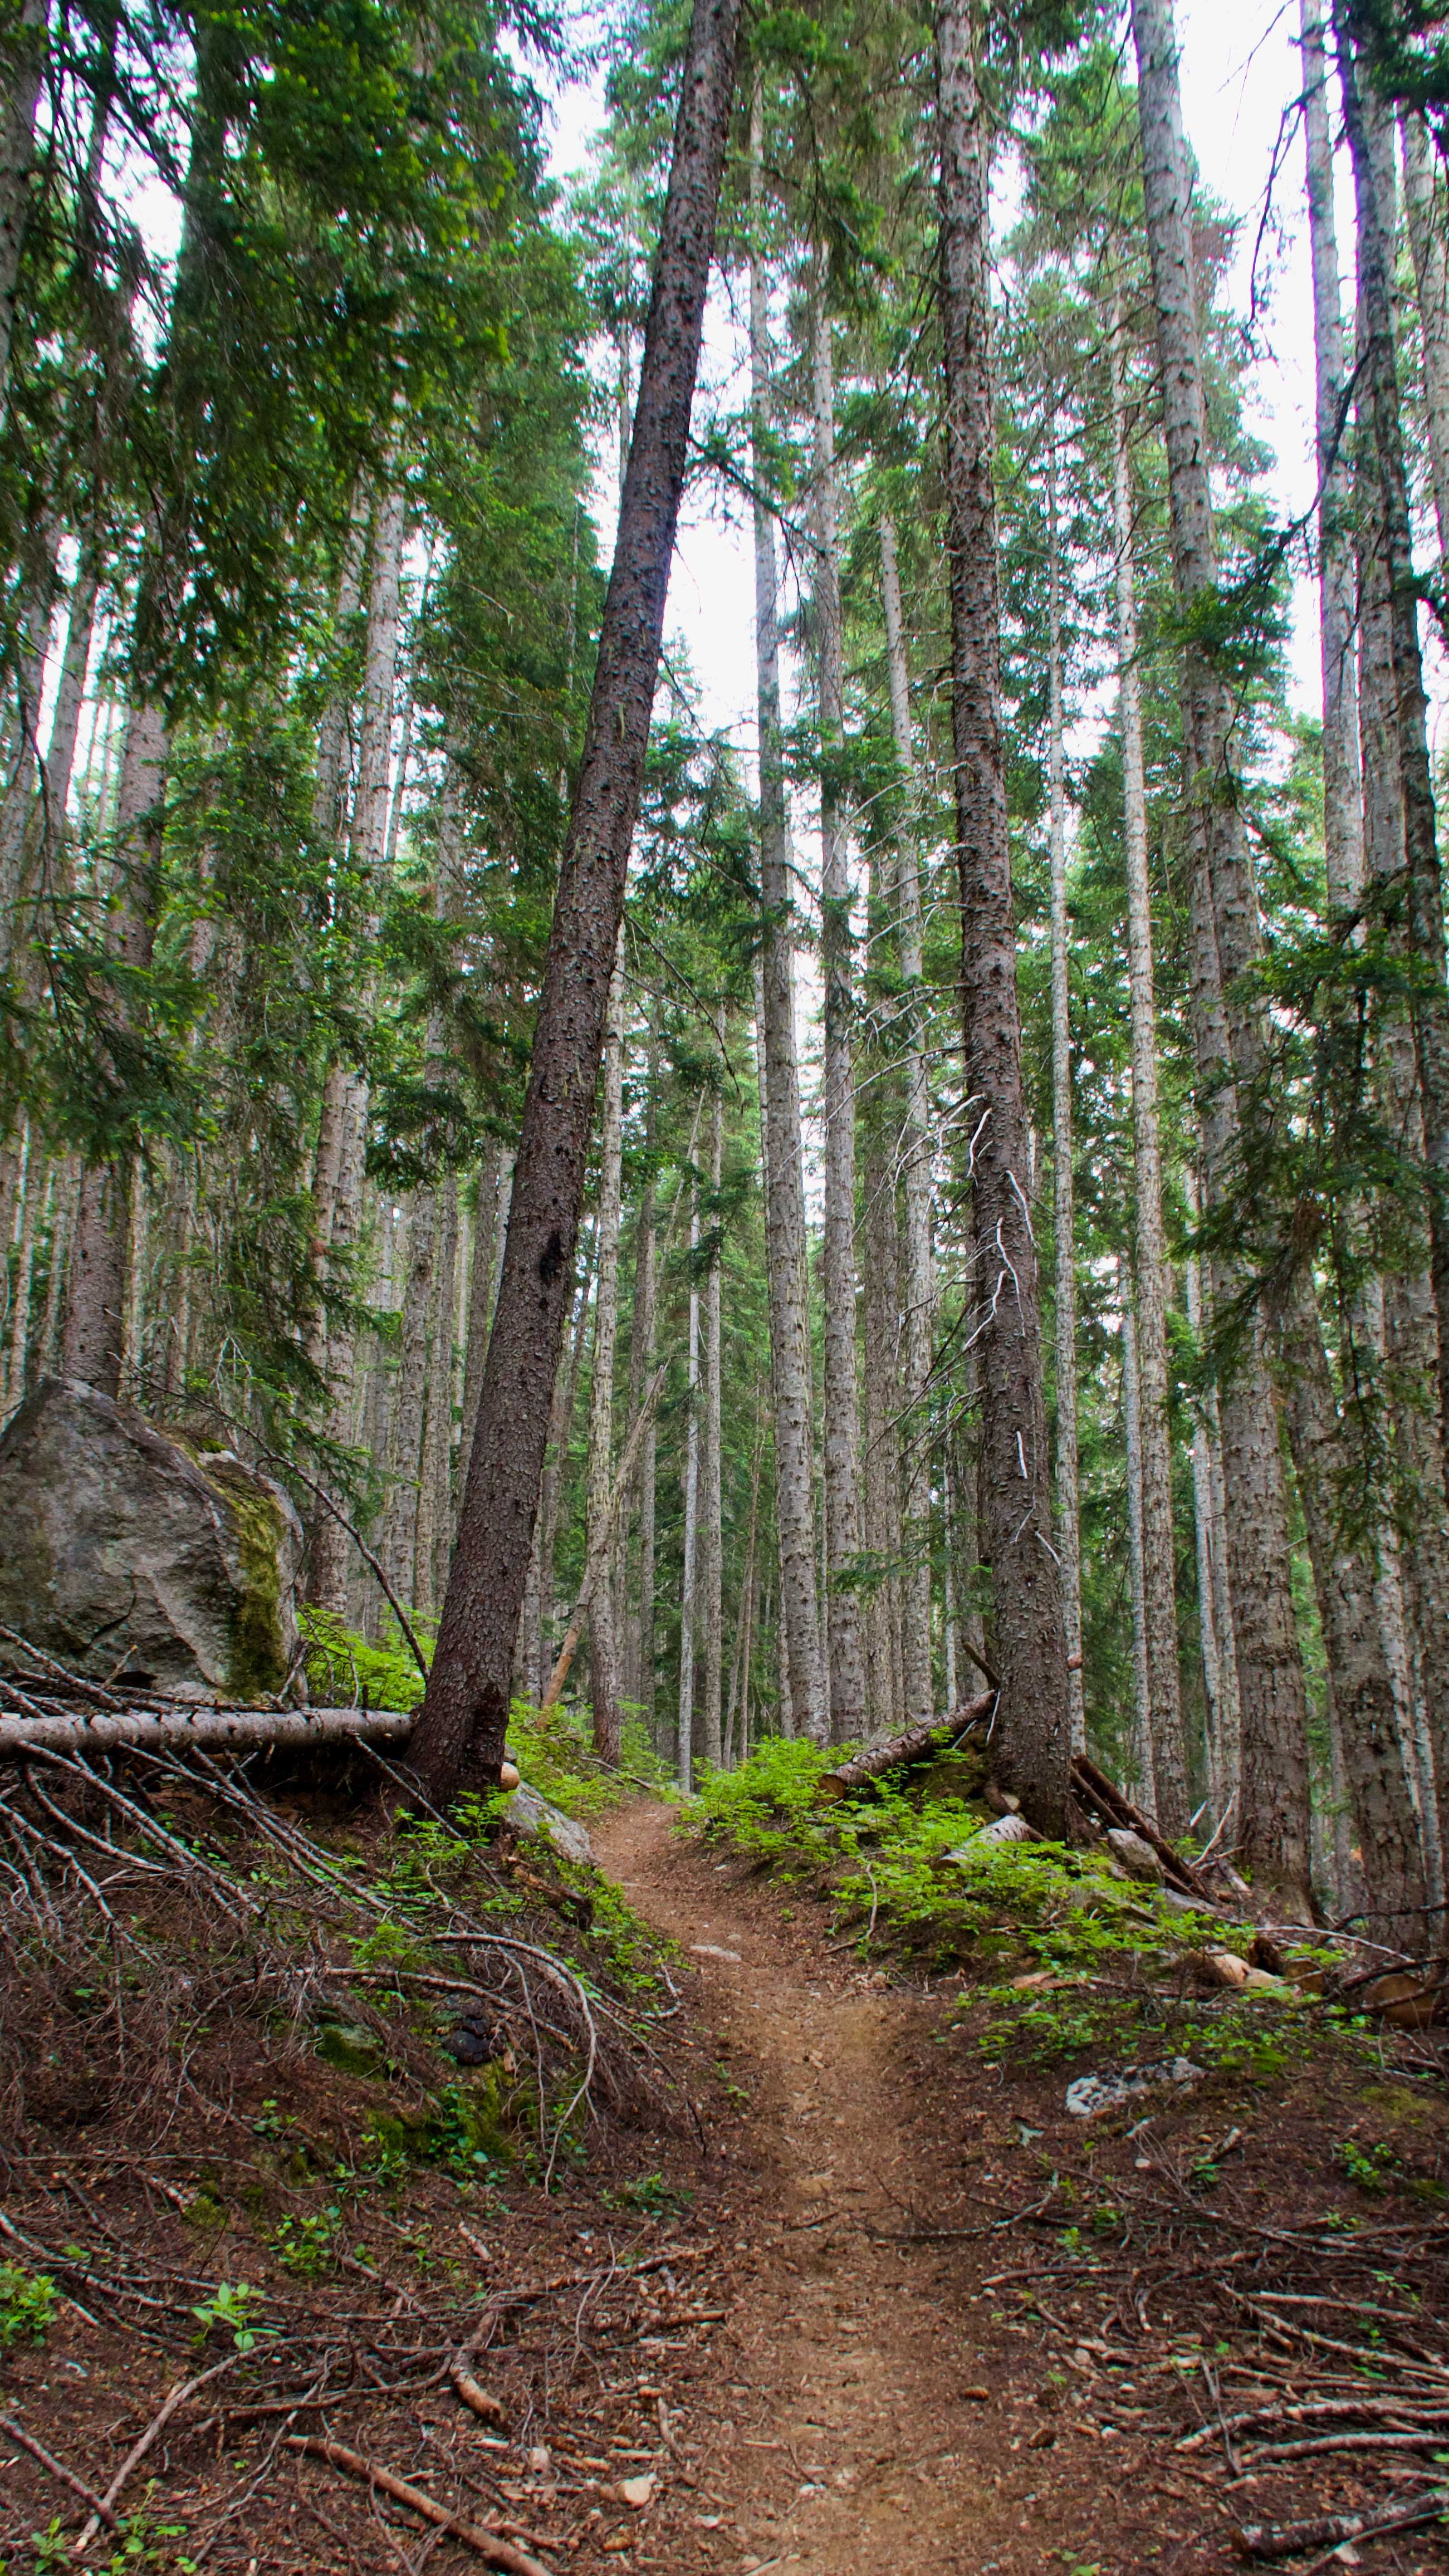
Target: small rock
<point>637,2491</point>
<point>528,1814</point>
<point>1226,1968</point>
<point>712,1950</point>
<point>1091,2095</point>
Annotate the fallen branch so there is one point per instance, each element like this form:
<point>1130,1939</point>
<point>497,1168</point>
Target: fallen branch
<point>182,1726</point>
<point>58,2469</point>
<point>483,2404</point>
<point>1330,2530</point>
<point>934,1736</point>
<point>489,2545</point>
<point>185,2388</point>
<point>1094,1789</point>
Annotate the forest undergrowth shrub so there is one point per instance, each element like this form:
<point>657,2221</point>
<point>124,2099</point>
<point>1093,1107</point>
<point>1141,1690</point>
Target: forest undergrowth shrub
<point>915,1866</point>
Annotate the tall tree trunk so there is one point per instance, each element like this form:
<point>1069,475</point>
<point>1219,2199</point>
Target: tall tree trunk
<point>772,1274</point>
<point>94,1330</point>
<point>785,1188</point>
<point>641,1361</point>
<point>1342,807</point>
<point>20,78</point>
<point>841,1410</point>
<point>1421,900</point>
<point>461,1728</point>
<point>1214,1608</point>
<point>560,1432</point>
<point>603,1641</point>
<point>1431,282</point>
<point>711,1523</point>
<point>1069,1530</point>
<point>434,1516</point>
<point>1142,1743</point>
<point>918,1281</point>
<point>1032,1724</point>
<point>883,1394</point>
<point>409,1403</point>
<point>1226,1015</point>
<point>1150,1268</point>
<point>689,1577</point>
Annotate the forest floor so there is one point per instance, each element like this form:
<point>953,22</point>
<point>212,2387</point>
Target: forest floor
<point>833,2282</point>
<point>889,2388</point>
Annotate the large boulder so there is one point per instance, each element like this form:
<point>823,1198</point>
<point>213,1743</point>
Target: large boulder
<point>130,1553</point>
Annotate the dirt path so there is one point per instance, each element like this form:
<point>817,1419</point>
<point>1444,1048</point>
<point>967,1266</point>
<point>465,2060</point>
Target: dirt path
<point>848,2439</point>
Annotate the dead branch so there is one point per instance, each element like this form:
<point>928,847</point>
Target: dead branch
<point>184,2389</point>
<point>182,1728</point>
<point>490,2546</point>
<point>58,2469</point>
<point>1330,2530</point>
<point>935,1736</point>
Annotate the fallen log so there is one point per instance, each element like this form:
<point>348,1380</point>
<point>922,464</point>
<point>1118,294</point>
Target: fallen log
<point>1094,1791</point>
<point>181,1726</point>
<point>933,1735</point>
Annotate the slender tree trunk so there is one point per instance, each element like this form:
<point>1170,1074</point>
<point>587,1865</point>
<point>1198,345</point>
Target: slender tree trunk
<point>918,1279</point>
<point>711,1524</point>
<point>837,1264</point>
<point>460,1731</point>
<point>1142,1742</point>
<point>772,1274</point>
<point>641,1360</point>
<point>20,78</point>
<point>689,1579</point>
<point>1342,806</point>
<point>1213,1607</point>
<point>560,1431</point>
<point>1425,213</point>
<point>883,1394</point>
<point>62,1219</point>
<point>1227,1016</point>
<point>1421,901</point>
<point>1069,1530</point>
<point>603,1641</point>
<point>96,1290</point>
<point>1150,1267</point>
<point>1033,1722</point>
<point>785,1207</point>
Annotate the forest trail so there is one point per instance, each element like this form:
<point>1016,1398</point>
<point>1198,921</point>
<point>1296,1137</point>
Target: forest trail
<point>850,2368</point>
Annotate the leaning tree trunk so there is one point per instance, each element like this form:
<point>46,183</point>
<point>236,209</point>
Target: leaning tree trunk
<point>1069,1529</point>
<point>465,1711</point>
<point>1423,901</point>
<point>841,1411</point>
<point>1033,1725</point>
<point>918,1281</point>
<point>1227,1017</point>
<point>603,1642</point>
<point>785,1188</point>
<point>1159,1547</point>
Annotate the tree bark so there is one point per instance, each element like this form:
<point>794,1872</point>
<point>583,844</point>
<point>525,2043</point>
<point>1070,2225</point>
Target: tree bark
<point>603,1641</point>
<point>481,1282</point>
<point>689,1573</point>
<point>1226,1015</point>
<point>1033,1727</point>
<point>711,1521</point>
<point>1431,282</point>
<point>20,78</point>
<point>1214,1608</point>
<point>1150,1268</point>
<point>435,1477</point>
<point>841,1408</point>
<point>465,1711</point>
<point>1421,899</point>
<point>1069,1531</point>
<point>1142,1743</point>
<point>1342,805</point>
<point>785,1190</point>
<point>918,1280</point>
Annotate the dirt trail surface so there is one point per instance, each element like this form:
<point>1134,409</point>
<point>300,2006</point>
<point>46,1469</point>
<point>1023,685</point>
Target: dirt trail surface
<point>857,2427</point>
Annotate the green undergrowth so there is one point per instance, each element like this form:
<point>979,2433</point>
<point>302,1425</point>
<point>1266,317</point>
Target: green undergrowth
<point>916,1864</point>
<point>554,1752</point>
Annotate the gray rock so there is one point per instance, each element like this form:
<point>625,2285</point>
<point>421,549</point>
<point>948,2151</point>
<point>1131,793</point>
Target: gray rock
<point>124,1550</point>
<point>527,1814</point>
<point>1090,2095</point>
<point>1136,1856</point>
